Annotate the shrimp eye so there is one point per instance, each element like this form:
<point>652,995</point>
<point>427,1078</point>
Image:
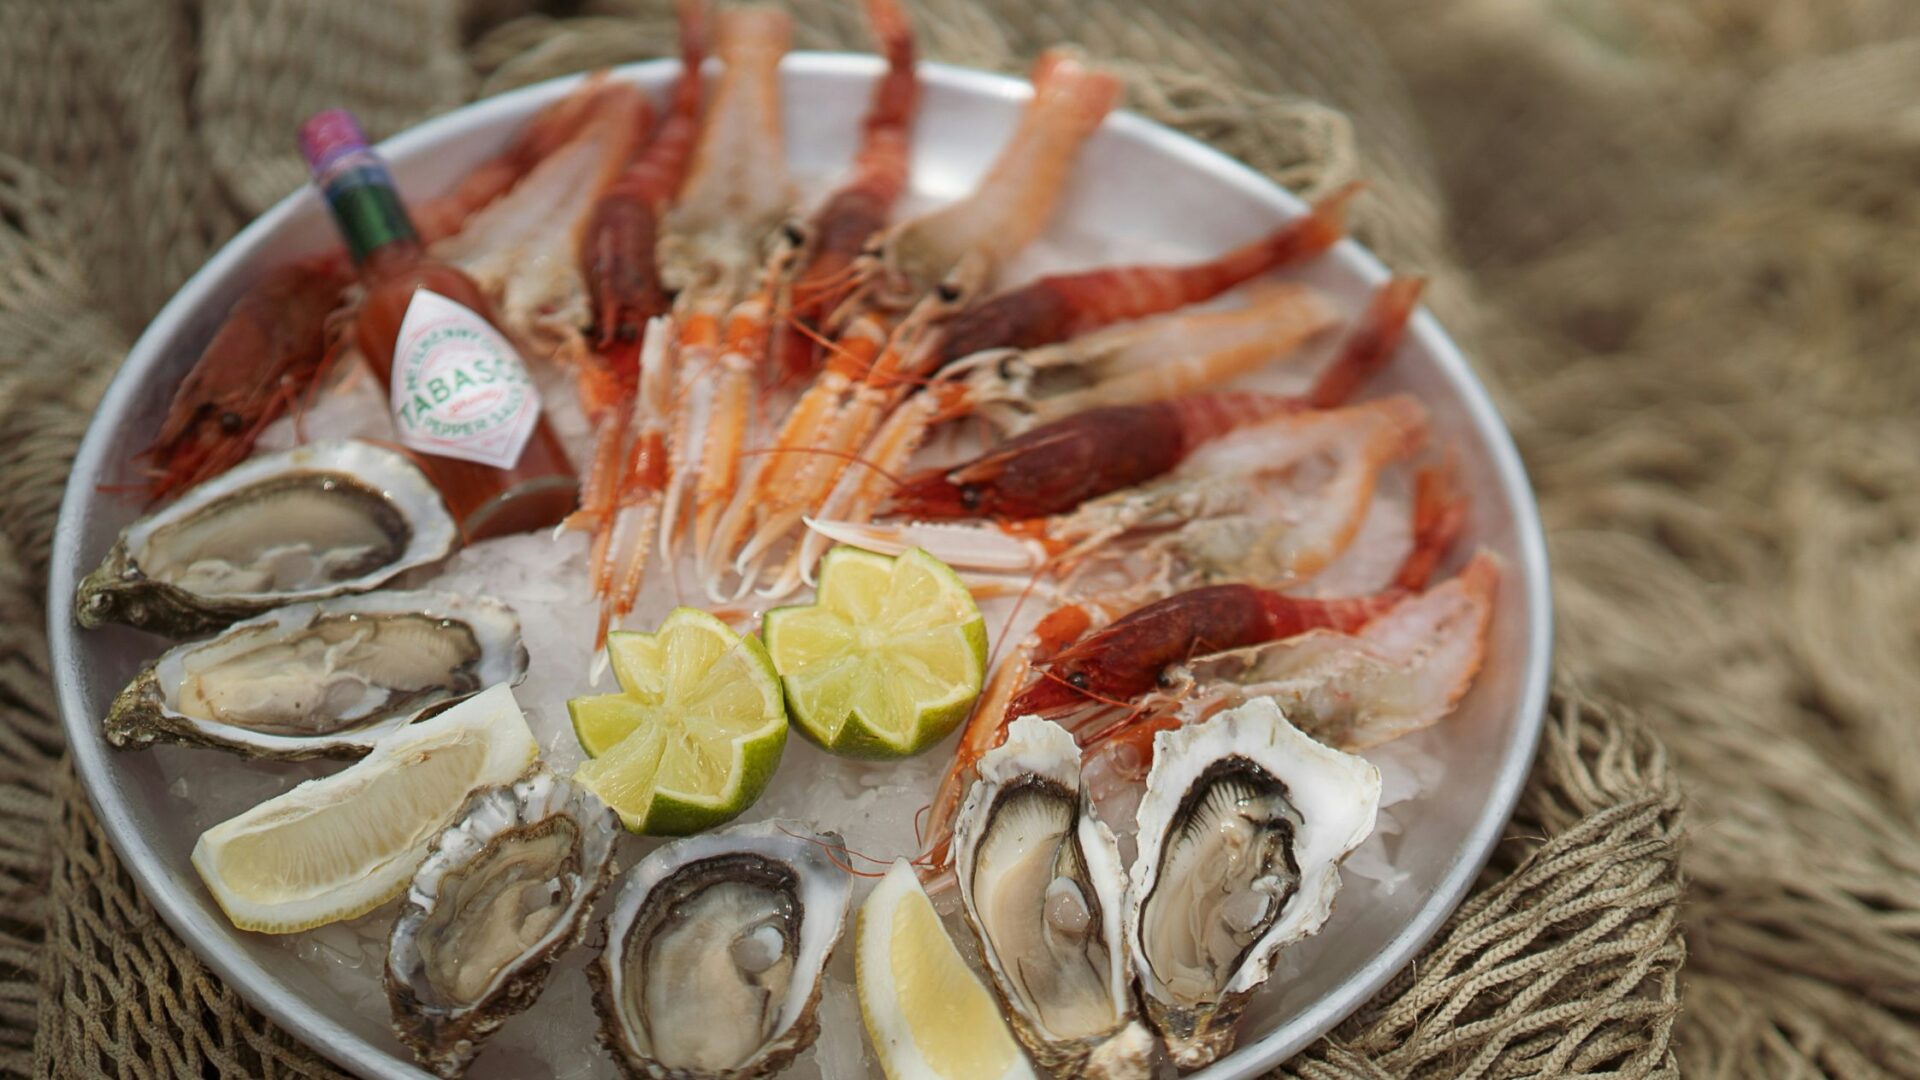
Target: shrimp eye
<point>231,422</point>
<point>948,292</point>
<point>970,496</point>
<point>1077,679</point>
<point>793,234</point>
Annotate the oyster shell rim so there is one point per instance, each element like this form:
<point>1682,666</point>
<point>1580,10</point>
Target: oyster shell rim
<point>775,838</point>
<point>521,982</point>
<point>1196,1035</point>
<point>119,591</point>
<point>1056,758</point>
<point>141,716</point>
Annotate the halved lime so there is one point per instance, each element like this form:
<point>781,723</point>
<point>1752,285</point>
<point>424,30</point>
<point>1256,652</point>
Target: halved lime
<point>887,660</point>
<point>694,733</point>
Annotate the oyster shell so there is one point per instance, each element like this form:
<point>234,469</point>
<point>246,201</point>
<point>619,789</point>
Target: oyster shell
<point>1243,826</point>
<point>312,522</point>
<point>504,890</point>
<point>715,948</point>
<point>1043,890</point>
<point>321,679</point>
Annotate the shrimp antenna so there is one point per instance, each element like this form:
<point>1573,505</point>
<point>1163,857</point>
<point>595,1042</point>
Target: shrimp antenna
<point>840,854</point>
<point>828,451</point>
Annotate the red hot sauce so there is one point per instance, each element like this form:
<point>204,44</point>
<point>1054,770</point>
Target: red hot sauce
<point>461,396</point>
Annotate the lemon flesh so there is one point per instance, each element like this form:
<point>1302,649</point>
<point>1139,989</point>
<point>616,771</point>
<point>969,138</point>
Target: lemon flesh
<point>926,1012</point>
<point>339,846</point>
<point>887,660</point>
<point>694,733</point>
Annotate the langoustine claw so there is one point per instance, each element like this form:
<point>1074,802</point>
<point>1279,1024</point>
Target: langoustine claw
<point>736,194</point>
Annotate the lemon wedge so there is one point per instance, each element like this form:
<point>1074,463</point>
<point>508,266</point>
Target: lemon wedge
<point>926,1012</point>
<point>339,846</point>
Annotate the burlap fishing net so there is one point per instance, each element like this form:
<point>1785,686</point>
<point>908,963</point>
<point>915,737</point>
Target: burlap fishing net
<point>1678,238</point>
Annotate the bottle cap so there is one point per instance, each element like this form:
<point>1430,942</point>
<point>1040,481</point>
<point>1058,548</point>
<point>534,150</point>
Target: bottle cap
<point>329,137</point>
<point>354,181</point>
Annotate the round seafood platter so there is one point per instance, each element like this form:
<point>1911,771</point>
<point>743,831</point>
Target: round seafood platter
<point>830,566</point>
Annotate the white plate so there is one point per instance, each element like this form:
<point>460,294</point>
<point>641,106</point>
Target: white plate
<point>1139,188</point>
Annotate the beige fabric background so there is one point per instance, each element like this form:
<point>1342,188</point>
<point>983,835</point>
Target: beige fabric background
<point>1681,239</point>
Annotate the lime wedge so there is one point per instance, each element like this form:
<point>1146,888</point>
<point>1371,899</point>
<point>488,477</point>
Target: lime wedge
<point>340,846</point>
<point>926,1012</point>
<point>887,660</point>
<point>694,733</point>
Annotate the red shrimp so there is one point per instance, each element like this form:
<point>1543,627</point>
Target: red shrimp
<point>1125,660</point>
<point>265,356</point>
<point>1057,466</point>
<point>617,251</point>
<point>830,245</point>
<point>1053,309</point>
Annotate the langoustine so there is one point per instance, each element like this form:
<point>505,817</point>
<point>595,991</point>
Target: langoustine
<point>736,194</point>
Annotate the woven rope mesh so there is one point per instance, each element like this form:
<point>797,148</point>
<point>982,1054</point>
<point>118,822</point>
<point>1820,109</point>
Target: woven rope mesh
<point>1678,238</point>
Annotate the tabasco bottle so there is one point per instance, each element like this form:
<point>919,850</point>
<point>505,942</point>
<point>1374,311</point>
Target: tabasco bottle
<point>460,393</point>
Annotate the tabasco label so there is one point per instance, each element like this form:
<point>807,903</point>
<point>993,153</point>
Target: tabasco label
<point>460,389</point>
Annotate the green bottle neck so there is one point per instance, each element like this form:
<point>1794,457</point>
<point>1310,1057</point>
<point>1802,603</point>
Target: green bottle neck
<point>370,214</point>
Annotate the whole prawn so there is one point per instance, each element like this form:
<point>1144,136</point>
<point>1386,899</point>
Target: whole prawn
<point>821,269</point>
<point>1058,307</point>
<point>617,262</point>
<point>1057,466</point>
<point>1126,659</point>
<point>809,277</point>
<point>1200,465</point>
<point>735,196</point>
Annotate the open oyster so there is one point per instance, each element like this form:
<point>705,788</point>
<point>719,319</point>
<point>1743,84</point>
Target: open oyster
<point>321,679</point>
<point>715,948</point>
<point>1041,883</point>
<point>315,521</point>
<point>503,892</point>
<point>1243,826</point>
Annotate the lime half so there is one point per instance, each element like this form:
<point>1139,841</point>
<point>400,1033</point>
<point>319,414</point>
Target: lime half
<point>695,732</point>
<point>888,659</point>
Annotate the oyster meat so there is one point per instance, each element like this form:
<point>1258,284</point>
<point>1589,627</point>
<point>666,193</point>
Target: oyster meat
<point>321,679</point>
<point>1242,829</point>
<point>1042,886</point>
<point>715,948</point>
<point>504,890</point>
<point>319,520</point>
